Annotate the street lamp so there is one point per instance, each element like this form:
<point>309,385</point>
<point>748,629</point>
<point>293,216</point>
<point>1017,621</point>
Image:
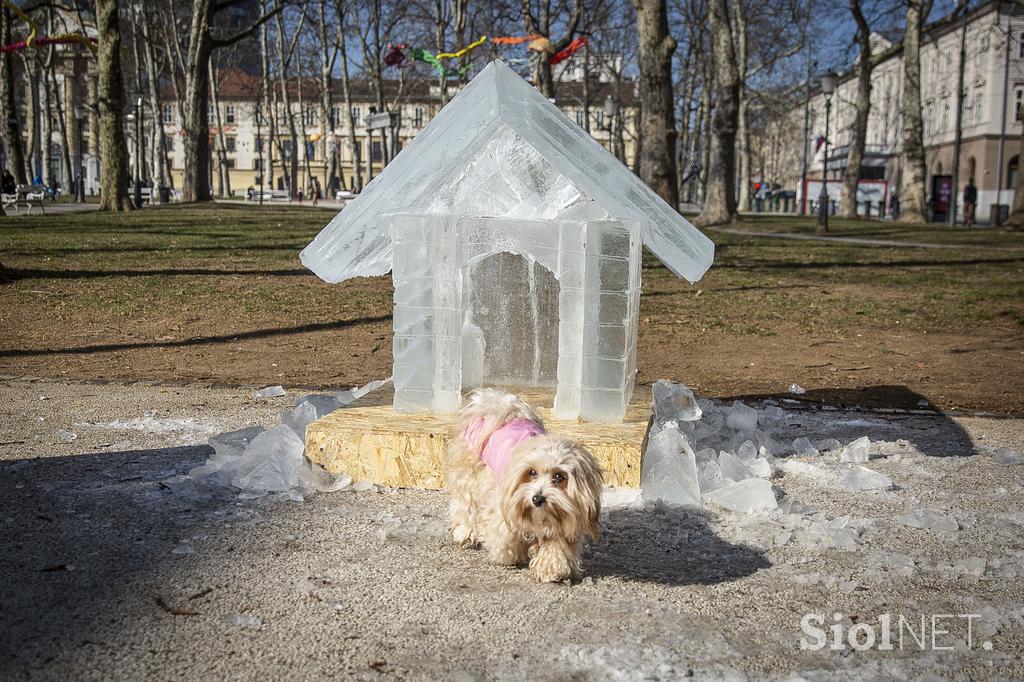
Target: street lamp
<point>80,113</point>
<point>138,152</point>
<point>611,107</point>
<point>828,88</point>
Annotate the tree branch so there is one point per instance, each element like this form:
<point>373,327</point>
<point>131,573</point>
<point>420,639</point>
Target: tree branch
<point>245,33</point>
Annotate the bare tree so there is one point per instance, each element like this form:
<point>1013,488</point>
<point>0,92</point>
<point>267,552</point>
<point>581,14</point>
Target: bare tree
<point>12,136</point>
<point>866,62</point>
<point>201,44</point>
<point>156,141</point>
<point>913,204</point>
<point>540,23</point>
<point>657,118</point>
<point>720,194</point>
<point>341,10</point>
<point>110,93</point>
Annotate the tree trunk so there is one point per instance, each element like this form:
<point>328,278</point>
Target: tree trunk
<point>223,174</point>
<point>8,105</point>
<point>196,175</point>
<point>346,92</point>
<point>156,142</point>
<point>657,120</point>
<point>743,118</point>
<point>913,205</point>
<point>328,140</point>
<point>855,154</point>
<point>110,95</point>
<point>1016,219</point>
<point>720,195</point>
<point>62,129</point>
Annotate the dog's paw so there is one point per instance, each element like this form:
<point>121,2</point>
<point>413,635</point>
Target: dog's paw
<point>552,566</point>
<point>463,537</point>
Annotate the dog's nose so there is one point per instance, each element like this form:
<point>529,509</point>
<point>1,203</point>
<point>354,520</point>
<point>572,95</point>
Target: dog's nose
<point>538,500</point>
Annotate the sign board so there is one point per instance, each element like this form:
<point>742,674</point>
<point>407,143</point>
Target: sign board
<point>379,121</point>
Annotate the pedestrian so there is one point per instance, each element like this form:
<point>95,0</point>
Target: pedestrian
<point>299,196</point>
<point>970,202</point>
<point>314,191</point>
<point>9,185</point>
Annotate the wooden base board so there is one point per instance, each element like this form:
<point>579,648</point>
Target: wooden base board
<point>368,440</point>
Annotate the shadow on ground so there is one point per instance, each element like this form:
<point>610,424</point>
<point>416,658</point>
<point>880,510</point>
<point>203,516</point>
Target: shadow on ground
<point>882,413</point>
<point>668,545</point>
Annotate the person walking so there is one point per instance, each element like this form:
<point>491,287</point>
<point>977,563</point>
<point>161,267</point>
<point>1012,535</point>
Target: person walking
<point>970,202</point>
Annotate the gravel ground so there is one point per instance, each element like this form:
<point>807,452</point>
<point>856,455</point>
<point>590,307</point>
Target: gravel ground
<point>112,573</point>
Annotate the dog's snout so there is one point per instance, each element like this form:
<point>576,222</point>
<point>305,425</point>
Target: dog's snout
<point>538,500</point>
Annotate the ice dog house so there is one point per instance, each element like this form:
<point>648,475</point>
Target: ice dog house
<point>515,244</point>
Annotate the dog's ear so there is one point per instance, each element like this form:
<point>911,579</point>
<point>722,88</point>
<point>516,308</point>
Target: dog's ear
<point>515,475</point>
<point>585,487</point>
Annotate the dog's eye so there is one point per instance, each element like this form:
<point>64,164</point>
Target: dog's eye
<point>558,478</point>
<point>533,473</point>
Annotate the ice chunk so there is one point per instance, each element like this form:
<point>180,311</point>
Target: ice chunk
<point>802,446</point>
<point>930,519</point>
<point>674,402</point>
<point>749,496</point>
<point>352,394</point>
<point>709,475</point>
<point>298,418</point>
<point>271,462</point>
<point>669,469</point>
<point>67,436</point>
<point>707,454</point>
<point>233,443</point>
<point>857,478</point>
<point>828,444</point>
<point>773,413</point>
<point>759,468</point>
<point>856,451</point>
<point>797,389</point>
<point>271,392</point>
<point>731,467</point>
<point>746,451</point>
<point>323,404</point>
<point>741,417</point>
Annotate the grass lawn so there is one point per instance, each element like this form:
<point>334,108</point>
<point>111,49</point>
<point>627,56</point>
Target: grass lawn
<point>217,295</point>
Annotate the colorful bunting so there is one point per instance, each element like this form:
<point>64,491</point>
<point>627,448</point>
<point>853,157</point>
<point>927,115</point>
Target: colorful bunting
<point>570,50</point>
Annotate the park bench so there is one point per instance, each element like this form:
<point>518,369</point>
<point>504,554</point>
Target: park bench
<point>25,196</point>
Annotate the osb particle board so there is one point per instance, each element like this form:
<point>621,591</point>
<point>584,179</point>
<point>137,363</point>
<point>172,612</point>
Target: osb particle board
<point>369,440</point>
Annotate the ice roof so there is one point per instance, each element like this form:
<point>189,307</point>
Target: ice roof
<point>357,244</point>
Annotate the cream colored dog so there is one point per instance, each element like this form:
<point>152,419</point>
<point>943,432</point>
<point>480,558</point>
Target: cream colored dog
<point>521,493</point>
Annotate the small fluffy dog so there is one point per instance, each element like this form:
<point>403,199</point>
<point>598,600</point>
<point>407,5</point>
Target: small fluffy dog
<point>523,494</point>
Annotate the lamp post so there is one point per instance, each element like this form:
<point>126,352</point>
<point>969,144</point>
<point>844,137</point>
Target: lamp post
<point>259,147</point>
<point>137,117</point>
<point>80,113</point>
<point>828,88</point>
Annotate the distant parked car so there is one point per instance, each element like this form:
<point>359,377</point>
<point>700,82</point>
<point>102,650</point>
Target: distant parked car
<point>344,195</point>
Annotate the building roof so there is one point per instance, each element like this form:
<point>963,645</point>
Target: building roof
<point>498,101</point>
<point>238,85</point>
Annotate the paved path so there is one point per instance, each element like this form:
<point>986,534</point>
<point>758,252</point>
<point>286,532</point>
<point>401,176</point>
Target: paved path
<point>851,240</point>
<point>113,568</point>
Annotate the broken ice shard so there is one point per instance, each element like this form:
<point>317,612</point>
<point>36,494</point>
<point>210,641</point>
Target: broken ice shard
<point>298,418</point>
<point>674,402</point>
<point>828,444</point>
<point>271,392</point>
<point>323,404</point>
<point>802,446</point>
<point>709,475</point>
<point>930,519</point>
<point>748,496</point>
<point>741,417</point>
<point>857,477</point>
<point>232,443</point>
<point>797,389</point>
<point>270,462</point>
<point>352,394</point>
<point>669,469</point>
<point>731,467</point>
<point>856,451</point>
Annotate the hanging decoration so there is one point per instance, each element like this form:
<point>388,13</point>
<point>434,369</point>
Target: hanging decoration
<point>571,49</point>
<point>513,40</point>
<point>34,41</point>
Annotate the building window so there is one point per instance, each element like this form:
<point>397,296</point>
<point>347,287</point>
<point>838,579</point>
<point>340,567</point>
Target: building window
<point>1018,99</point>
<point>229,113</point>
<point>229,164</point>
<point>229,143</point>
<point>978,108</point>
<point>600,118</point>
<point>308,116</point>
<point>1011,172</point>
<point>376,153</point>
<point>335,117</point>
<point>1021,43</point>
<point>167,112</point>
<point>579,118</point>
<point>258,145</point>
<point>286,148</point>
<point>356,111</point>
<point>945,117</point>
<point>257,164</point>
<point>168,143</point>
<point>310,150</point>
<point>984,42</point>
<point>211,115</point>
<point>417,117</point>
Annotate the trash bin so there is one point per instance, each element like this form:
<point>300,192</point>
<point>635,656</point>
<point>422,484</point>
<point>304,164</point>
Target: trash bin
<point>998,213</point>
<point>165,195</point>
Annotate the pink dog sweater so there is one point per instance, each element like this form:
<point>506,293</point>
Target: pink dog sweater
<point>497,449</point>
